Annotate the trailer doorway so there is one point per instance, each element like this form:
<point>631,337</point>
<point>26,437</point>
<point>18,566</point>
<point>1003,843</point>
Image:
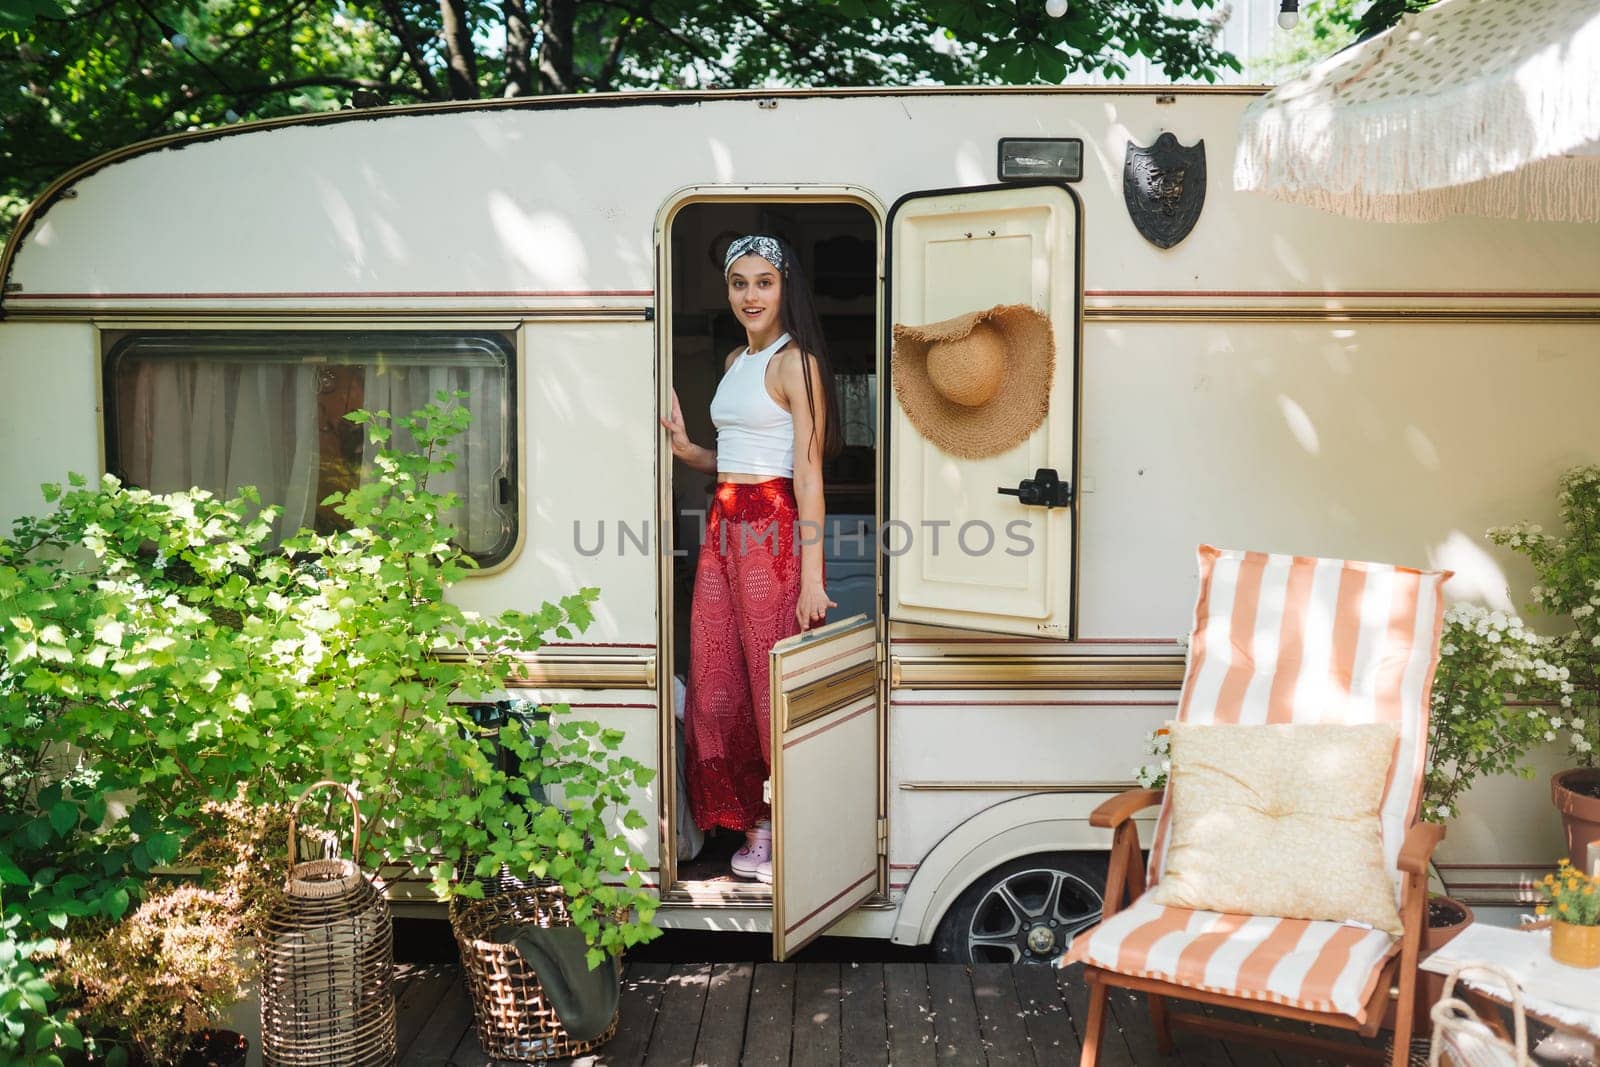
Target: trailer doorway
<point>837,240</point>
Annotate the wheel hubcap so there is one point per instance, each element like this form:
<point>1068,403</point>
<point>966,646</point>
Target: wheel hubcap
<point>1031,915</point>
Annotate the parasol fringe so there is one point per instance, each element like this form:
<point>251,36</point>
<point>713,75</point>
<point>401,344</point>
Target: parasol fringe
<point>1490,146</point>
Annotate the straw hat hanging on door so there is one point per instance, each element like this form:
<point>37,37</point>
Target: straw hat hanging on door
<point>979,384</point>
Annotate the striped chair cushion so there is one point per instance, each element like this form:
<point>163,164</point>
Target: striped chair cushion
<point>1321,966</point>
<point>1295,639</point>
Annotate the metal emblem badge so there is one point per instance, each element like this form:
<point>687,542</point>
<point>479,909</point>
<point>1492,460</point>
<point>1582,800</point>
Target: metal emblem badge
<point>1165,188</point>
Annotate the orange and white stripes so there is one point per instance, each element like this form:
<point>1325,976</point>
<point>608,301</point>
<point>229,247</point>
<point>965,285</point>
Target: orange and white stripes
<point>1282,639</point>
<point>1321,966</point>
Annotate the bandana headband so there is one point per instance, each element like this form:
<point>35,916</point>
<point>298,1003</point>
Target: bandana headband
<point>761,245</point>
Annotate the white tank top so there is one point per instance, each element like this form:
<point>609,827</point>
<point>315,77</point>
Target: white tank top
<point>754,434</point>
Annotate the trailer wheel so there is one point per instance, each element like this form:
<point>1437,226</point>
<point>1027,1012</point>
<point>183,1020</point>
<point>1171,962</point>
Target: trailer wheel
<point>1025,911</point>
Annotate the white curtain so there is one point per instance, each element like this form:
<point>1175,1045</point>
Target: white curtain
<point>222,426</point>
<point>480,452</point>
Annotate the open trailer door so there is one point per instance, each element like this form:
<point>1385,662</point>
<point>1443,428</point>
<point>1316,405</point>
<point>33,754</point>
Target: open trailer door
<point>825,779</point>
<point>987,543</point>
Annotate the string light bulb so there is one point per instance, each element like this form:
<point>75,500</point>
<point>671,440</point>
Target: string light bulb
<point>1055,8</point>
<point>1289,14</point>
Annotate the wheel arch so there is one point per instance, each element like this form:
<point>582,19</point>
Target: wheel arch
<point>1039,822</point>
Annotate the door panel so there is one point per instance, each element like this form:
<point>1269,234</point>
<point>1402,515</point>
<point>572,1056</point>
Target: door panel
<point>825,779</point>
<point>962,554</point>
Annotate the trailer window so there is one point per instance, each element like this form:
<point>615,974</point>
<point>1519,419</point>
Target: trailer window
<point>226,409</point>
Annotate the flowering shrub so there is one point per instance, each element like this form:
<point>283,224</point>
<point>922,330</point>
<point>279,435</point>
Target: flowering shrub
<point>1154,775</point>
<point>1568,585</point>
<point>1571,896</point>
<point>1497,693</point>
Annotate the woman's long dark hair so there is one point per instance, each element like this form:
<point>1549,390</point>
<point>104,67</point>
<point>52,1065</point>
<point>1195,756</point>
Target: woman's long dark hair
<point>797,312</point>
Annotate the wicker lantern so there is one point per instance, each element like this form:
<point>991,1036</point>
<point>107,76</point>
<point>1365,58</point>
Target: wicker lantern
<point>327,981</point>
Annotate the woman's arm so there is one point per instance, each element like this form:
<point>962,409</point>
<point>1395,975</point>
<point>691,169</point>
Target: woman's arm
<point>701,459</point>
<point>813,605</point>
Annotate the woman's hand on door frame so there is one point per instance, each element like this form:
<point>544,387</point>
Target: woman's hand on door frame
<point>812,607</point>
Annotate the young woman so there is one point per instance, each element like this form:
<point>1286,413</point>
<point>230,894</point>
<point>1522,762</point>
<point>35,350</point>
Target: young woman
<point>759,578</point>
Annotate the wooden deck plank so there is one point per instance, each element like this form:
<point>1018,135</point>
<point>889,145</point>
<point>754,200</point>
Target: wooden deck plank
<point>817,1004</point>
<point>955,1015</point>
<point>908,1017</point>
<point>1130,1013</point>
<point>1005,1034</point>
<point>863,1016</point>
<point>643,985</point>
<point>1075,989</point>
<point>678,1018</point>
<point>770,1025</point>
<point>445,1028</point>
<point>417,1000</point>
<point>722,1023</point>
<point>1044,1014</point>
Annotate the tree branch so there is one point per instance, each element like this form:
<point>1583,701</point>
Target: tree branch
<point>414,54</point>
<point>463,61</point>
<point>693,47</point>
<point>608,68</point>
<point>519,49</point>
<point>555,46</point>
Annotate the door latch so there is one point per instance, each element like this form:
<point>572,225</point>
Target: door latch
<point>1044,490</point>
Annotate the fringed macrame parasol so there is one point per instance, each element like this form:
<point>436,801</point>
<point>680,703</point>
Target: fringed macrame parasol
<point>1469,107</point>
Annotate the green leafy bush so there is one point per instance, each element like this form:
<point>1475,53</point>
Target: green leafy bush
<point>157,657</point>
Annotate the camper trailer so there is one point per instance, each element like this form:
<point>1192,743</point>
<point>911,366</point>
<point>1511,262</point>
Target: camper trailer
<point>201,309</point>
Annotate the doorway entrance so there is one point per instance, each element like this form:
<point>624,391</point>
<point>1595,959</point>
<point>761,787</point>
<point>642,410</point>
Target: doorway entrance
<point>837,243</point>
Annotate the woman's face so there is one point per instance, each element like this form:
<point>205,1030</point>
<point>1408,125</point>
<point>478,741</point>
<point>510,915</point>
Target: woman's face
<point>755,292</point>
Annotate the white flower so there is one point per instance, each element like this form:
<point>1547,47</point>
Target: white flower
<point>1443,811</point>
<point>1549,735</point>
<point>1516,540</point>
<point>1556,722</point>
<point>1447,650</point>
<point>1493,637</point>
<point>1577,740</point>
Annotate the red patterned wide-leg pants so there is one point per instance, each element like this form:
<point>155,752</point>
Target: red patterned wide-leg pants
<point>745,589</point>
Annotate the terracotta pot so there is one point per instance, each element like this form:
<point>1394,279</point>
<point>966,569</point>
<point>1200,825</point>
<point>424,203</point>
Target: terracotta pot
<point>1574,945</point>
<point>1446,917</point>
<point>1580,811</point>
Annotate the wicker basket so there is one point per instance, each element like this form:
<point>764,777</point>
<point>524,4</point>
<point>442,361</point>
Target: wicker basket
<point>327,979</point>
<point>514,1019</point>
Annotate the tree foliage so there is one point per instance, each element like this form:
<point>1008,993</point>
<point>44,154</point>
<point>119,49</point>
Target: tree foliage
<point>85,76</point>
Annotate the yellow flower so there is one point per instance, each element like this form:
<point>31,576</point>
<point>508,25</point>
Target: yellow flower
<point>1540,910</point>
<point>1549,879</point>
<point>1562,907</point>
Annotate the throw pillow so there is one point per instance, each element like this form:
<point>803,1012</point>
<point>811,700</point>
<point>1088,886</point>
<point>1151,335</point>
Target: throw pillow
<point>1280,820</point>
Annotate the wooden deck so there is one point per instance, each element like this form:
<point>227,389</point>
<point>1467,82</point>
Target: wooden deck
<point>834,1014</point>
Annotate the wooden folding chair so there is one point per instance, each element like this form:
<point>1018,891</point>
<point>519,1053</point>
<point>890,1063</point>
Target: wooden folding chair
<point>1283,639</point>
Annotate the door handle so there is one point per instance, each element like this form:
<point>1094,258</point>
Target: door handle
<point>1044,490</point>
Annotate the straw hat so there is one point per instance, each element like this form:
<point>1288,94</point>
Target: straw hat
<point>976,385</point>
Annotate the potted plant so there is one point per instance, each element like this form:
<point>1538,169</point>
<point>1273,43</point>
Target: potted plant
<point>1568,588</point>
<point>175,654</point>
<point>1572,904</point>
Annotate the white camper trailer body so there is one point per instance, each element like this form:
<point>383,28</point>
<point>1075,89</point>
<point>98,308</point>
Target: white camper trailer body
<point>1281,380</point>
